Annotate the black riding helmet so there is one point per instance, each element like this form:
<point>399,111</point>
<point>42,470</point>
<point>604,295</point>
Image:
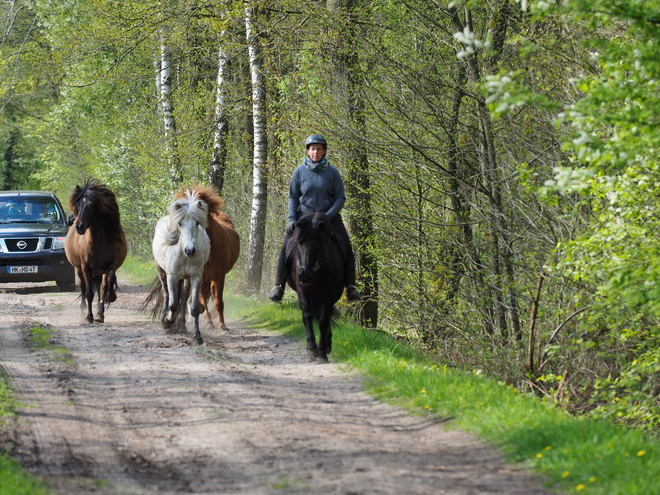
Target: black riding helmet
<point>316,139</point>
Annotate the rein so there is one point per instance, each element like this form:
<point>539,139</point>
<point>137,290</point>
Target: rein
<point>320,261</point>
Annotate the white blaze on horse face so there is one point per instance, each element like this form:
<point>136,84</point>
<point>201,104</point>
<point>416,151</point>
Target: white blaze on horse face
<point>188,232</point>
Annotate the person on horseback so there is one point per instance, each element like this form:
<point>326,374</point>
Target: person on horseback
<point>317,186</point>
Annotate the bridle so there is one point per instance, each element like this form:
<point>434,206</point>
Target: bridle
<point>320,260</point>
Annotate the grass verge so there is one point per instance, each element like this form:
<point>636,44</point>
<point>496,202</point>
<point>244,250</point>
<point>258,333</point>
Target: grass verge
<point>138,271</point>
<point>574,454</point>
<point>13,478</point>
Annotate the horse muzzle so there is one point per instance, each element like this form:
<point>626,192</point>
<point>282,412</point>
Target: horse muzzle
<point>189,252</point>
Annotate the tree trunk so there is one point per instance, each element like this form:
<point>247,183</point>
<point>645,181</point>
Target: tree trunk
<point>219,155</point>
<point>502,280</point>
<point>259,164</point>
<point>169,123</point>
<point>358,184</point>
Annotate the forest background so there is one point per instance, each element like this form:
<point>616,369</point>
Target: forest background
<point>499,158</point>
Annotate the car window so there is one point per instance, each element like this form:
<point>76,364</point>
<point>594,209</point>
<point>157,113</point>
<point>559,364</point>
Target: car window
<point>26,209</point>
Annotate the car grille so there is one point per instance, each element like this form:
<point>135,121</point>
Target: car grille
<point>26,245</point>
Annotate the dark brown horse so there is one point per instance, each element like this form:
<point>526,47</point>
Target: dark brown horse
<point>316,273</point>
<point>225,248</point>
<point>95,245</point>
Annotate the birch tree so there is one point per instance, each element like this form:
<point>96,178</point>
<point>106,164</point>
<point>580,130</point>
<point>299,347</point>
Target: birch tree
<point>219,155</point>
<point>259,163</point>
<point>167,109</point>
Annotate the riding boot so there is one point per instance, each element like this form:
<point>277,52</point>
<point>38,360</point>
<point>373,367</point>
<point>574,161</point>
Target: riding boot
<point>352,294</point>
<point>277,292</point>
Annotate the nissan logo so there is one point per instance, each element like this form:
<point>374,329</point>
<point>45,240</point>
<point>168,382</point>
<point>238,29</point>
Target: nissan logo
<point>21,244</point>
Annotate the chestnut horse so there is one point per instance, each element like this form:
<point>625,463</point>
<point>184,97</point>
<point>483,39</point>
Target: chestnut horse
<point>225,248</point>
<point>316,272</point>
<point>95,245</point>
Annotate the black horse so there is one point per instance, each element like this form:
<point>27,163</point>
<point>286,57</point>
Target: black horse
<point>316,273</point>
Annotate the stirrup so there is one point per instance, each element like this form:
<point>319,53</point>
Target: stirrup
<point>352,294</point>
<point>276,294</point>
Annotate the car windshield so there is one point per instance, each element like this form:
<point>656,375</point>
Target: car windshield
<point>29,209</point>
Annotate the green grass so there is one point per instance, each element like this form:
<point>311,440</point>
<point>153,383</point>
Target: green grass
<point>13,478</point>
<point>574,454</point>
<point>42,338</point>
<point>138,271</point>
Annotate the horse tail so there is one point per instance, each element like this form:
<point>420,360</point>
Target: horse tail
<point>154,297</point>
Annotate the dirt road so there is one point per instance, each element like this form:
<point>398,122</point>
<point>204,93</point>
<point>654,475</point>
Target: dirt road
<point>136,411</point>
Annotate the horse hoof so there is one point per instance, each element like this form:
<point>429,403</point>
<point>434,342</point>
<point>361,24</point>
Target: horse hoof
<point>322,359</point>
<point>223,328</point>
<point>312,355</point>
<point>198,341</point>
<point>98,320</point>
<point>89,319</point>
<point>112,297</point>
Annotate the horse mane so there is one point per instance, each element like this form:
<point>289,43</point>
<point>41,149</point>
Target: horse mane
<point>207,194</point>
<point>306,227</point>
<point>105,201</point>
<point>190,204</point>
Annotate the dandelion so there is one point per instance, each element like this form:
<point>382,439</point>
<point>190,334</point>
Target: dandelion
<point>426,407</point>
<point>548,448</point>
<point>626,454</point>
<point>423,391</point>
<point>538,456</point>
<point>565,474</point>
<point>579,487</point>
<point>641,453</point>
<point>592,479</point>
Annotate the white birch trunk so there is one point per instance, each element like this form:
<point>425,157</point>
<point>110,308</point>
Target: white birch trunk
<point>260,175</point>
<point>169,123</point>
<point>219,155</point>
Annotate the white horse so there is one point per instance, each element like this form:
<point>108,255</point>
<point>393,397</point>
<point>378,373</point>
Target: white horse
<point>181,248</point>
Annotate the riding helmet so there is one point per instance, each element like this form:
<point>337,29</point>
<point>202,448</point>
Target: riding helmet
<point>315,139</point>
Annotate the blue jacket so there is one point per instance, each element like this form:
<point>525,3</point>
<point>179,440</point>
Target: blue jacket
<point>312,191</point>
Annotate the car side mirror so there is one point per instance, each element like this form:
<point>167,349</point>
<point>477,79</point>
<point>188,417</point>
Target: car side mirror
<point>70,220</point>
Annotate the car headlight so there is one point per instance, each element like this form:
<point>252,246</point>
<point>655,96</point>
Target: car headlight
<point>58,242</point>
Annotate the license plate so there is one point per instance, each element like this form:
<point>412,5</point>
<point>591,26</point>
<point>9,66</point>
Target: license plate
<point>22,269</point>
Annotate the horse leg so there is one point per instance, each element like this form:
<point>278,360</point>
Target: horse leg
<point>162,276</point>
<point>194,308</point>
<point>183,300</point>
<point>101,283</point>
<point>83,289</point>
<point>325,335</point>
<point>172,301</point>
<point>205,294</point>
<point>112,282</point>
<point>217,289</point>
<point>308,321</point>
<point>89,293</point>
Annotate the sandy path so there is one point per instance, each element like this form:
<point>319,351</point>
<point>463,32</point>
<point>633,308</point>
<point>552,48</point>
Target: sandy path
<point>137,411</point>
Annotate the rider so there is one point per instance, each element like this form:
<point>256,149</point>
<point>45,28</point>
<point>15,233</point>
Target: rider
<point>317,186</point>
